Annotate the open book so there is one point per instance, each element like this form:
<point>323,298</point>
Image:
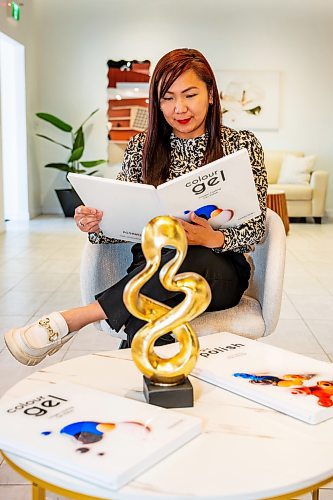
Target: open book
<point>223,192</point>
<point>93,435</point>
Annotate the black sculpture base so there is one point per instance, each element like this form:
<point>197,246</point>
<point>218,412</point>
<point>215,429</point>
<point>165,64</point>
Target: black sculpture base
<point>175,396</point>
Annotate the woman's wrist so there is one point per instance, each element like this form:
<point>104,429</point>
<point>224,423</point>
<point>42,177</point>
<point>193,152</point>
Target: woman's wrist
<point>217,240</point>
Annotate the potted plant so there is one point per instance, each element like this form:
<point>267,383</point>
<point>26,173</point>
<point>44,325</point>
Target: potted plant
<point>67,197</point>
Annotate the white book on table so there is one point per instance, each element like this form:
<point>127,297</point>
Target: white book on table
<point>291,383</point>
<point>90,434</point>
<point>223,192</point>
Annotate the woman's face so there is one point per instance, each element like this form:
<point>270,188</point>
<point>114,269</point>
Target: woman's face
<point>185,105</point>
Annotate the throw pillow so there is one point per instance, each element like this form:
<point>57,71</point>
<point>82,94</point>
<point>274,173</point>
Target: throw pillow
<point>296,169</point>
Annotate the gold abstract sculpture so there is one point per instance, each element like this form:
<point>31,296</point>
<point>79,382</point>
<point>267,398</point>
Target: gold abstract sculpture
<point>160,232</point>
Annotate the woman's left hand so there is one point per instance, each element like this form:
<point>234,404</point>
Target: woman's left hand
<point>199,232</point>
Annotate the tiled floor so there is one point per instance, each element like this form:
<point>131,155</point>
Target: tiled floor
<point>39,272</point>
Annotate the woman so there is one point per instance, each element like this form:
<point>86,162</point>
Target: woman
<point>184,133</point>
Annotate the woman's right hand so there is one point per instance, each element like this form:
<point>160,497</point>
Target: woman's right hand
<point>87,219</point>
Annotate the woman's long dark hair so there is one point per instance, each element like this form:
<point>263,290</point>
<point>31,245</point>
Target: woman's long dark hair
<point>156,151</point>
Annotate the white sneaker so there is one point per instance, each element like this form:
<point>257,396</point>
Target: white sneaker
<point>31,344</point>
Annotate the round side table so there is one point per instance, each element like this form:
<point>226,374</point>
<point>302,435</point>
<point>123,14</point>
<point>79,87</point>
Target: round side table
<point>246,451</point>
<point>276,201</point>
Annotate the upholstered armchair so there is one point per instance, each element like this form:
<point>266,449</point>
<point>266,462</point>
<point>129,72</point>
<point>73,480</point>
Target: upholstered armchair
<point>257,313</point>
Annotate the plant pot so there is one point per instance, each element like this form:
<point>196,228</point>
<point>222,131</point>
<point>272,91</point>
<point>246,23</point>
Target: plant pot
<point>69,200</point>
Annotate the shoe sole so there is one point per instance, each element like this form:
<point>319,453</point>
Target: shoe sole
<point>23,357</point>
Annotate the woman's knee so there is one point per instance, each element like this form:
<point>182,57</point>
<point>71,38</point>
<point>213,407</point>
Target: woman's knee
<point>210,265</point>
<point>198,259</point>
<point>225,294</point>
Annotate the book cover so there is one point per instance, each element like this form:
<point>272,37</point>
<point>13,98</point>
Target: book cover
<point>291,383</point>
<point>93,435</point>
<point>127,206</point>
<point>223,192</point>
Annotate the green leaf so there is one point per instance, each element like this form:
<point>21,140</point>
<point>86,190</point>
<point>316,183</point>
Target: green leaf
<point>91,114</point>
<point>55,121</point>
<point>60,166</point>
<point>55,142</point>
<point>64,167</point>
<point>92,173</point>
<point>79,139</point>
<point>76,154</point>
<point>78,146</point>
<point>89,164</point>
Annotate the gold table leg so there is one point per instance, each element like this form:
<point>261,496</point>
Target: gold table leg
<point>315,494</point>
<point>38,493</point>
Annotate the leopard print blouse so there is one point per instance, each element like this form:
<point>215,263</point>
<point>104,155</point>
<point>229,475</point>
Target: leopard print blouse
<point>187,155</point>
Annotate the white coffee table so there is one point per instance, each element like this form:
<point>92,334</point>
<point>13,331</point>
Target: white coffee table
<point>246,451</point>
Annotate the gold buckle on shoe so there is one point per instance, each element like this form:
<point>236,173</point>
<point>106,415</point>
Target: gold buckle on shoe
<point>53,335</point>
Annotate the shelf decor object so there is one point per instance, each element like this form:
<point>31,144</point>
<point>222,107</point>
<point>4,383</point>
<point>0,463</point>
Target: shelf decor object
<point>128,92</point>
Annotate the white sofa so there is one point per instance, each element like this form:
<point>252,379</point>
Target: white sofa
<point>303,200</point>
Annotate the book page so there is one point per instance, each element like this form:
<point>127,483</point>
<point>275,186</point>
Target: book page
<point>223,192</point>
<point>126,206</point>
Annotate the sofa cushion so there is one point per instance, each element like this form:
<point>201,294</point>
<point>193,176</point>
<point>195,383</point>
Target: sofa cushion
<point>295,170</point>
<point>301,192</point>
<point>273,161</point>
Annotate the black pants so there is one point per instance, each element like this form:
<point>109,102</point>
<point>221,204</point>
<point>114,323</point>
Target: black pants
<point>227,273</point>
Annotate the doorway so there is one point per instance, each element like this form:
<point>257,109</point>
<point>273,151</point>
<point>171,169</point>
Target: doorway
<point>13,130</point>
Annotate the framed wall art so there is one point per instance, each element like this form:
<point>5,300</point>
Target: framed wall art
<point>249,99</point>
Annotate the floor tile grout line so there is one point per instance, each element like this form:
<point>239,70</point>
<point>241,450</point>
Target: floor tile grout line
<point>316,338</point>
<point>11,288</point>
<point>300,295</point>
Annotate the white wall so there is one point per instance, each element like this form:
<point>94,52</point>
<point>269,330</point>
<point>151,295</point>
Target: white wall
<point>23,32</point>
<point>14,129</point>
<point>295,37</point>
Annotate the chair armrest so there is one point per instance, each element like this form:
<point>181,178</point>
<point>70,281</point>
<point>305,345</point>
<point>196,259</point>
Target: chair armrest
<point>319,182</point>
<point>101,267</point>
<point>268,260</point>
